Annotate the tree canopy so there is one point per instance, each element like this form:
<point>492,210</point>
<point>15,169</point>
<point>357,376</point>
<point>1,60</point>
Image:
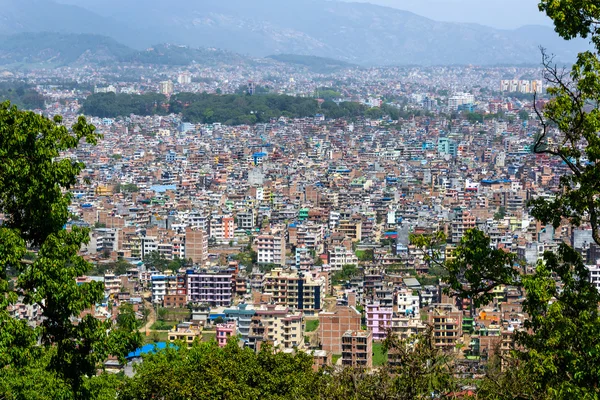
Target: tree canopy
<point>34,200</point>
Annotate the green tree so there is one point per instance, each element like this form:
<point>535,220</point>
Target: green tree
<point>210,372</point>
<point>156,260</point>
<point>34,199</point>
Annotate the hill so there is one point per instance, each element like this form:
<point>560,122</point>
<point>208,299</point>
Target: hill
<point>359,33</point>
<point>50,49</point>
<point>314,63</point>
<point>55,49</point>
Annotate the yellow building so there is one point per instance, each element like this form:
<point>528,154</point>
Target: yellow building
<point>186,332</point>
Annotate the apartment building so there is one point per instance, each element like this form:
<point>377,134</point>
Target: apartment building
<point>270,249</point>
<point>357,349</point>
<point>196,246</point>
<point>340,256</point>
<point>278,325</point>
<point>447,322</point>
<point>112,284</point>
<point>242,317</point>
<point>294,289</point>
<point>222,228</point>
<point>333,324</point>
<point>214,289</point>
<point>463,221</point>
<point>379,320</point>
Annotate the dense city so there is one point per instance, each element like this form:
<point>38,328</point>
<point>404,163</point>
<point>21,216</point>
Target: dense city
<point>297,231</point>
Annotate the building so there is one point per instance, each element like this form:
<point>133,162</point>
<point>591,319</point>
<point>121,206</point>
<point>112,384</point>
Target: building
<point>340,256</point>
<point>460,99</point>
<point>357,349</point>
<point>184,78</point>
<point>242,316</point>
<point>379,320</point>
<point>447,146</point>
<point>462,221</point>
<point>165,87</point>
<point>224,332</point>
<point>196,245</point>
<point>333,324</point>
<point>186,332</point>
<point>159,288</point>
<point>446,321</point>
<point>594,275</point>
<point>270,249</point>
<point>321,359</point>
<point>214,289</point>
<point>277,325</point>
<point>112,284</point>
<point>297,290</point>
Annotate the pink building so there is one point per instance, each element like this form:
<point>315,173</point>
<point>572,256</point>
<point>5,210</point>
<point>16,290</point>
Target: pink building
<point>379,320</point>
<point>224,331</point>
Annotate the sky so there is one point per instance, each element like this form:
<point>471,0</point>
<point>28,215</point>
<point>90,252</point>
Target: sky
<point>503,14</point>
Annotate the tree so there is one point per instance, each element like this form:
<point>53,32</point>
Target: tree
<point>156,260</point>
<point>34,199</point>
<point>524,115</point>
<point>211,372</point>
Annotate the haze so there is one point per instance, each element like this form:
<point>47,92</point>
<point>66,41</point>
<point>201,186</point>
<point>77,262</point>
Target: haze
<point>507,14</point>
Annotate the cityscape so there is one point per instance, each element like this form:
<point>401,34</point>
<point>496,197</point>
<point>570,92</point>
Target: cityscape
<point>349,217</point>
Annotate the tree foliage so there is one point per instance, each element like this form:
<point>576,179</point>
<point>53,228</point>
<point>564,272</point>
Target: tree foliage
<point>34,201</point>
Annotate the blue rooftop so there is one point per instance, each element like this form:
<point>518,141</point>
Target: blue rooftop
<point>147,349</point>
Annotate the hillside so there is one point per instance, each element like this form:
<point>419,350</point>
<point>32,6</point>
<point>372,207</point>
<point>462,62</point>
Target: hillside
<point>57,49</point>
<point>354,32</point>
<point>313,63</point>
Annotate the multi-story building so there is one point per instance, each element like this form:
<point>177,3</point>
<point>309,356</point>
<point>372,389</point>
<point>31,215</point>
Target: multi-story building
<point>112,284</point>
<point>357,349</point>
<point>333,324</point>
<point>340,256</point>
<point>277,325</point>
<point>196,246</point>
<point>242,317</point>
<point>296,290</point>
<point>224,332</point>
<point>214,289</point>
<point>446,321</point>
<point>270,249</point>
<point>222,228</point>
<point>379,320</point>
<point>463,221</point>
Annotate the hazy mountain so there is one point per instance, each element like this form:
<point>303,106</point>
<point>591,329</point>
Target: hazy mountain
<point>58,49</point>
<point>355,32</point>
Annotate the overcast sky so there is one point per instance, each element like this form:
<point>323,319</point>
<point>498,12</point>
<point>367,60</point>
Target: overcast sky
<point>504,14</point>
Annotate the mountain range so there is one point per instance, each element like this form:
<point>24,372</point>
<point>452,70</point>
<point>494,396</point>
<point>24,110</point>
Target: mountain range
<point>357,33</point>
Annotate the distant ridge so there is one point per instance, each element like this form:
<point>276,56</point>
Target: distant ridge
<point>358,33</point>
<point>50,49</point>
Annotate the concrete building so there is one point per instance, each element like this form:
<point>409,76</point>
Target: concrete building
<point>333,324</point>
<point>214,289</point>
<point>447,321</point>
<point>186,332</point>
<point>242,316</point>
<point>296,290</point>
<point>379,320</point>
<point>196,246</point>
<point>357,349</point>
<point>224,332</point>
<point>270,249</point>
